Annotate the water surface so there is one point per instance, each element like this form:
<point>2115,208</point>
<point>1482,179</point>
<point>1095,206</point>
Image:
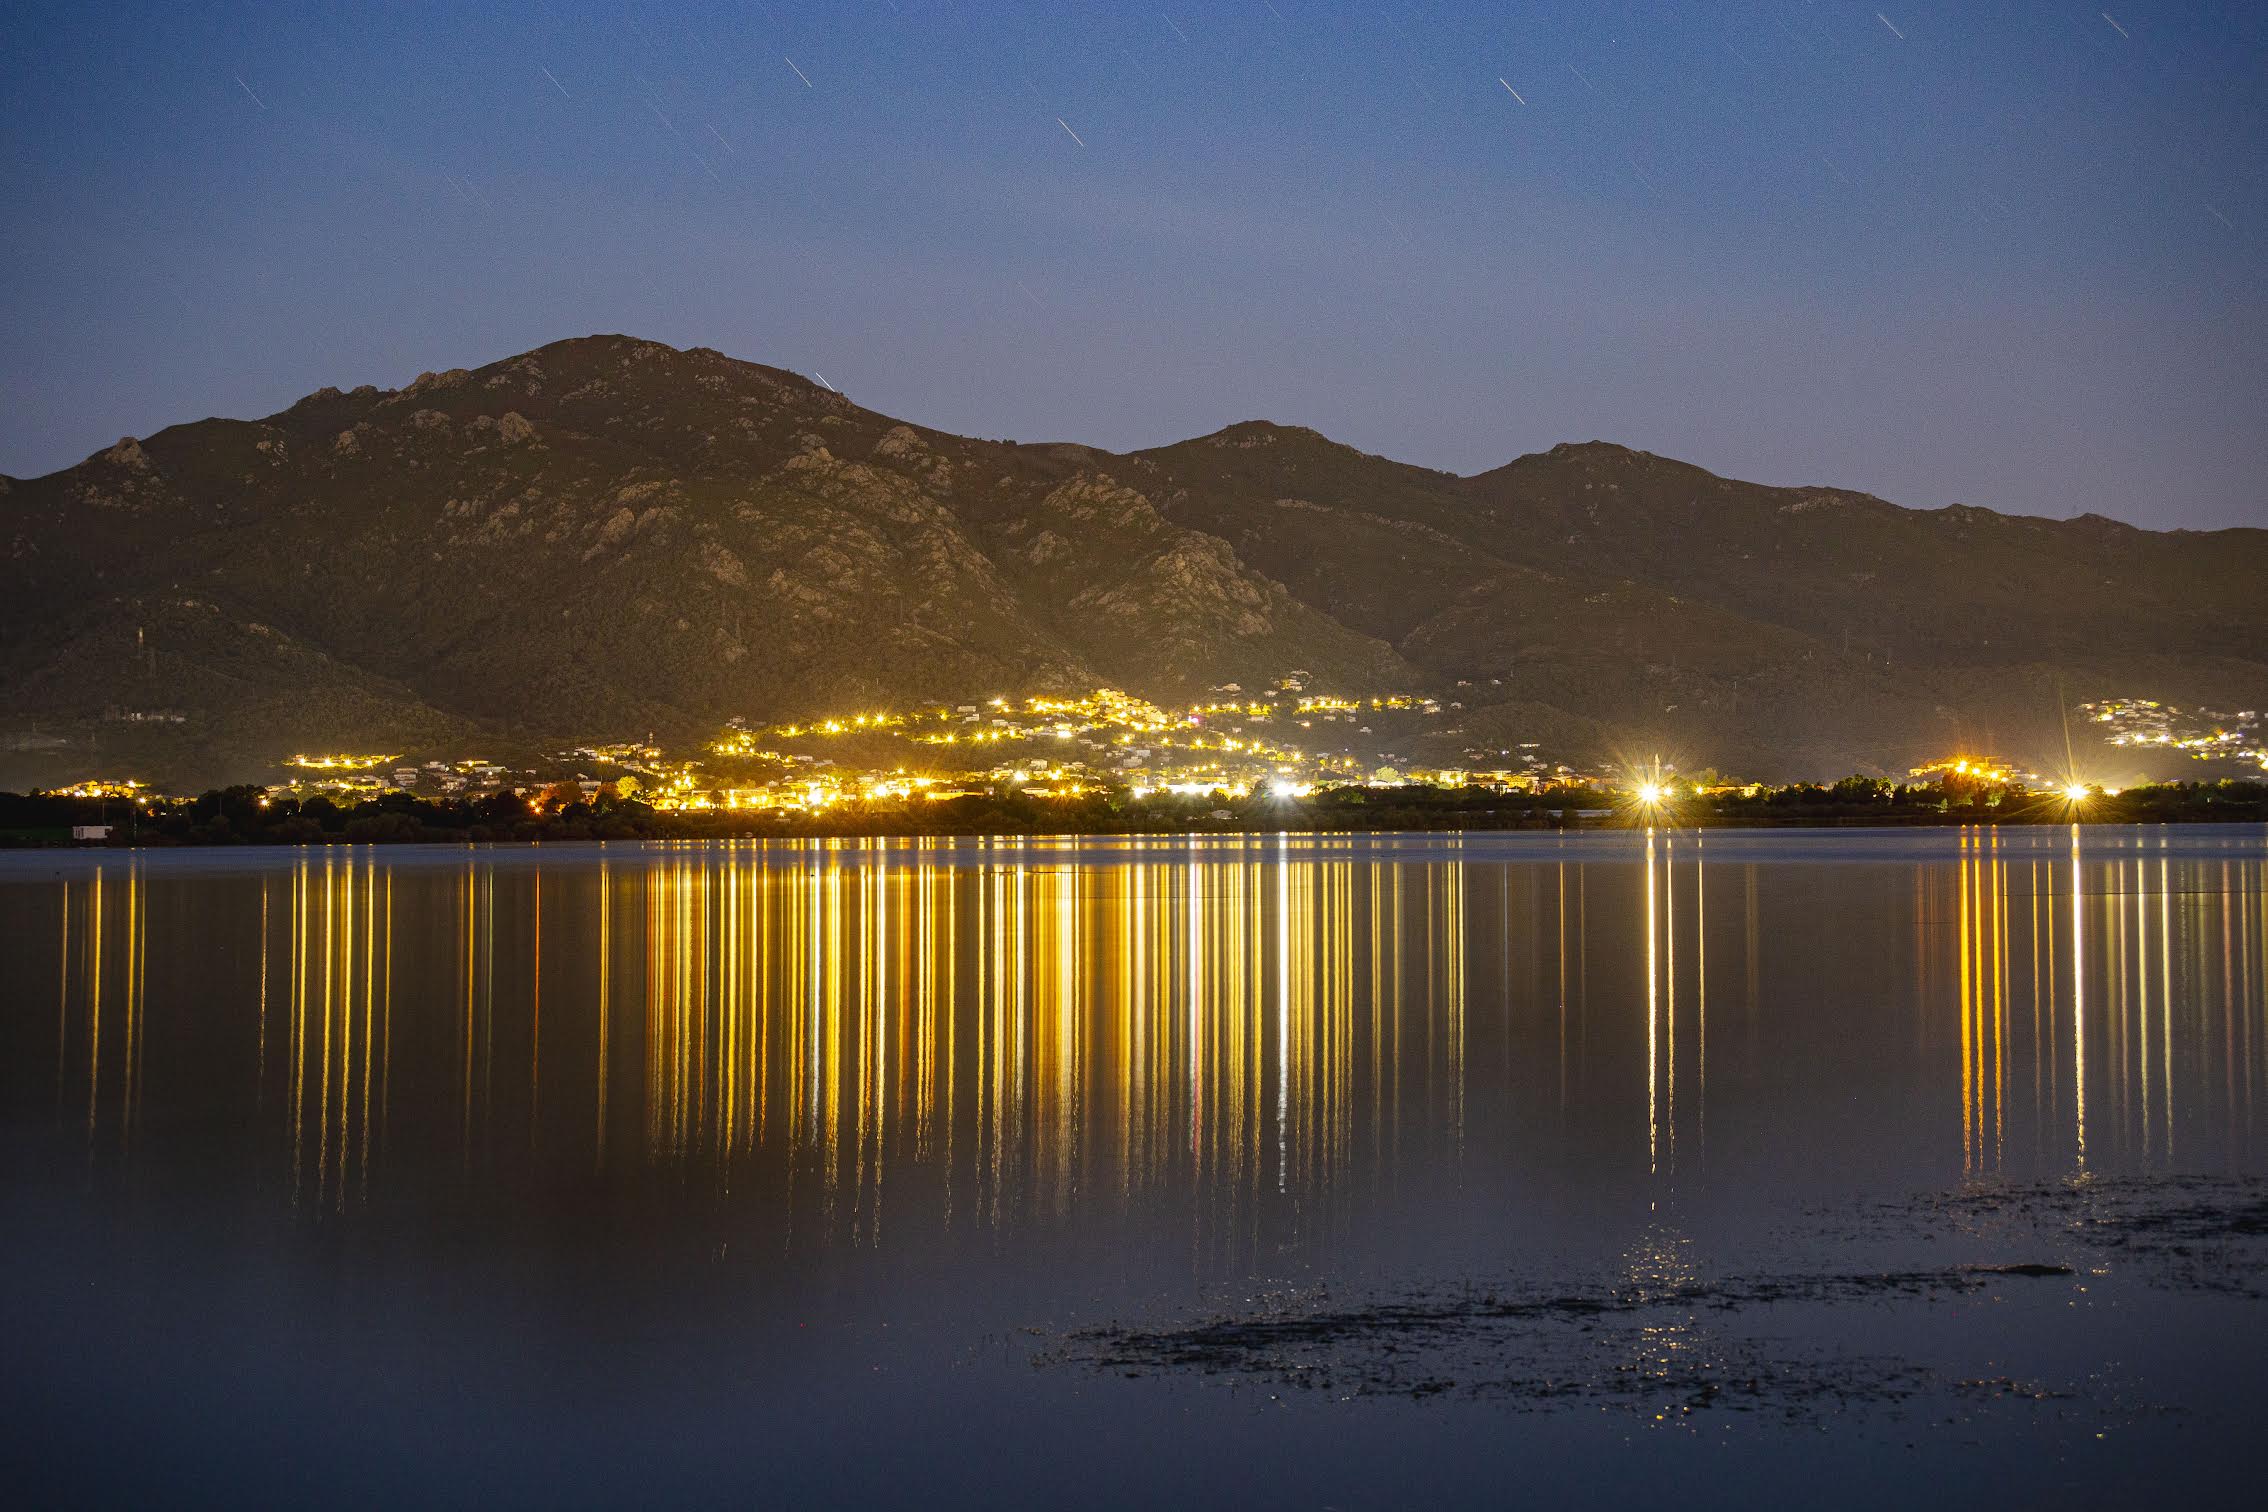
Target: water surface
<point>1273,1169</point>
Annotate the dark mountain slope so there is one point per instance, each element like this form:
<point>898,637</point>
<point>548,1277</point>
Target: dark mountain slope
<point>608,536</point>
<point>1776,628</point>
<point>1836,564</point>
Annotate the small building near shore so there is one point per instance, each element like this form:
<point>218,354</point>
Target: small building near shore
<point>91,834</point>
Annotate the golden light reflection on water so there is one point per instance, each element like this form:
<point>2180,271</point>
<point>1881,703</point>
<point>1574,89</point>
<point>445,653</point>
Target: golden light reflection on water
<point>1008,1033</point>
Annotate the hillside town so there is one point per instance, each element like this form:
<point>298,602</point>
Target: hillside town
<point>1287,741</point>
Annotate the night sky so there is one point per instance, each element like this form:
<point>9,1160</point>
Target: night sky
<point>2005,253</point>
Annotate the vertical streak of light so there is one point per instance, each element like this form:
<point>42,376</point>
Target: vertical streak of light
<point>1653,1053</point>
<point>2049,1051</point>
<point>323,1108</point>
<point>1193,898</point>
<point>1669,987</point>
<point>884,1016</point>
<point>130,1051</point>
<point>299,909</point>
<point>2165,994</point>
<point>1395,907</point>
<point>952,1020</point>
<point>348,898</point>
<point>2078,1002</point>
<point>1562,922</point>
<point>1065,1022</point>
<point>1283,1006</point>
<point>1456,943</point>
<point>605,971</point>
<point>369,1003</point>
<point>2040,1055</point>
<point>2142,1001</point>
<point>2117,1016</point>
<point>2229,1009</point>
<point>386,1014</point>
<point>814,993</point>
<point>488,999</point>
<point>1999,1004</point>
<point>1964,934</point>
<point>1377,1018</point>
<point>1701,990</point>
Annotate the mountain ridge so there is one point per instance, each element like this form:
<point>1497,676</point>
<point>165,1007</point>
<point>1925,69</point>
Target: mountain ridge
<point>607,533</point>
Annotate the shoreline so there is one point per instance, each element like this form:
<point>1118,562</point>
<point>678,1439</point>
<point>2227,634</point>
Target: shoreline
<point>250,816</point>
<point>1665,824</point>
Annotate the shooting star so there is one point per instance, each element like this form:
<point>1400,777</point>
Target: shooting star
<point>240,84</point>
<point>2114,26</point>
<point>1885,20</point>
<point>467,193</point>
<point>2217,215</point>
<point>1028,294</point>
<point>1587,84</point>
<point>555,84</point>
<point>721,142</point>
<point>1177,31</point>
<point>1066,125</point>
<point>822,377</point>
<point>1514,93</point>
<point>799,73</point>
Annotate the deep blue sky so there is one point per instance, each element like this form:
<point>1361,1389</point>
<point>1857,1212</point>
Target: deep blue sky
<point>2014,257</point>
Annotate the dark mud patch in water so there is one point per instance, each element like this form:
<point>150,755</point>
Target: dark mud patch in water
<point>2180,1233</point>
<point>1681,1348</point>
<point>1662,1338</point>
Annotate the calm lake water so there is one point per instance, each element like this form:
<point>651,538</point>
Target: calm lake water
<point>1365,1171</point>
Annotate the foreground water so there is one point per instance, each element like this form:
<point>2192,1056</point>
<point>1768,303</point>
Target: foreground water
<point>1276,1170</point>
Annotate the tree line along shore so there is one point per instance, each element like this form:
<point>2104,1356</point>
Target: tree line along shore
<point>252,815</point>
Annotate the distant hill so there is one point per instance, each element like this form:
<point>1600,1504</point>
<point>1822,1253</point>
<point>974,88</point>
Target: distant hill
<point>608,536</point>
